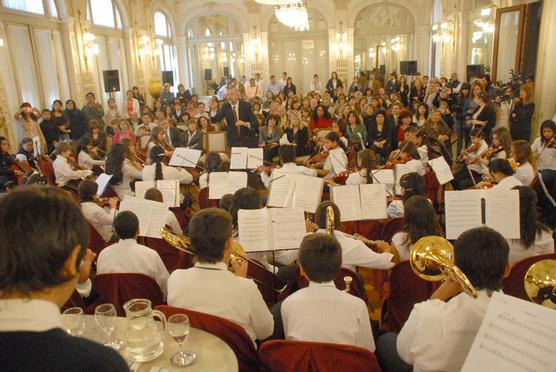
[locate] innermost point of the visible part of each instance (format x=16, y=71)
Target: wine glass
x=177, y=326
x=106, y=318
x=72, y=319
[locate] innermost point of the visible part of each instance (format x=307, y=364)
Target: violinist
x=158, y=138
x=213, y=163
x=122, y=169
x=26, y=153
x=91, y=206
x=286, y=154
x=415, y=135
x=408, y=155
x=501, y=176
x=366, y=162
x=410, y=184
x=99, y=137
x=6, y=162
x=336, y=161
x=87, y=155
x=157, y=170
x=544, y=149
x=471, y=158
x=522, y=154
x=63, y=169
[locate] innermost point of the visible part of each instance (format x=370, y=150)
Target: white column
x=182, y=57
x=422, y=48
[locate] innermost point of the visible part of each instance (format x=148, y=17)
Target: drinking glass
x=177, y=326
x=107, y=318
x=72, y=319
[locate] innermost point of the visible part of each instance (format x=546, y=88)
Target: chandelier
x=270, y=2
x=293, y=13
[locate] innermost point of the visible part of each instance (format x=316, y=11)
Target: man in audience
x=439, y=332
x=40, y=269
x=174, y=136
x=284, y=79
x=209, y=287
x=274, y=87
x=166, y=97
x=321, y=312
x=127, y=256
x=92, y=109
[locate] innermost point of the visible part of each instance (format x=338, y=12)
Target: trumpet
x=540, y=283
x=432, y=259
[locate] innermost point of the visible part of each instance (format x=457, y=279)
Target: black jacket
x=247, y=136
x=78, y=123
x=520, y=126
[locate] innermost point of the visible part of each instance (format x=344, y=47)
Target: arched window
x=161, y=25
x=104, y=13
x=43, y=7
x=166, y=50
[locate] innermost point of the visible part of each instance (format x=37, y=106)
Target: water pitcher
x=143, y=333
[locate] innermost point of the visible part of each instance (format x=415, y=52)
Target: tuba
x=432, y=259
x=180, y=242
x=330, y=223
x=540, y=283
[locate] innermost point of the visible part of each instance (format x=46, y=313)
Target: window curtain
x=33, y=6
x=47, y=65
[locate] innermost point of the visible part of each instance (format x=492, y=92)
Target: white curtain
x=61, y=65
x=33, y=6
x=507, y=45
x=47, y=65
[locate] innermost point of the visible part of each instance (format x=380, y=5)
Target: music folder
x=246, y=158
x=185, y=157
x=221, y=183
x=170, y=190
x=151, y=214
x=360, y=202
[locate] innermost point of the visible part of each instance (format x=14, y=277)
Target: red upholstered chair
x=356, y=288
x=513, y=284
x=109, y=192
x=182, y=215
x=403, y=290
x=47, y=170
x=431, y=187
x=370, y=229
x=74, y=301
x=294, y=356
x=169, y=255
x=204, y=201
x=96, y=242
x=350, y=227
x=117, y=289
x=231, y=333
x=391, y=226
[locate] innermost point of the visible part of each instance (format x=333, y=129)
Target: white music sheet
x=515, y=336
x=463, y=211
x=253, y=229
x=218, y=184
x=151, y=215
x=238, y=159
x=400, y=170
x=236, y=181
x=441, y=170
x=348, y=201
x=185, y=157
x=170, y=190
x=308, y=193
x=254, y=158
x=386, y=177
x=281, y=191
x=102, y=181
x=141, y=188
x=374, y=205
x=502, y=212
x=288, y=227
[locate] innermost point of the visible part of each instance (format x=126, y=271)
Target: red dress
x=321, y=122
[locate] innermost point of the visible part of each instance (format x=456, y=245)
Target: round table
x=213, y=354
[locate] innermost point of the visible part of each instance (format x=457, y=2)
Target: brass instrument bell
x=177, y=241
x=330, y=220
x=540, y=283
x=347, y=280
x=432, y=259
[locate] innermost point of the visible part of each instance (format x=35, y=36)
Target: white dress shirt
x=19, y=315
x=336, y=162
x=212, y=289
x=127, y=256
x=438, y=335
x=173, y=223
x=323, y=313
x=525, y=173
x=357, y=178
x=86, y=161
x=100, y=219
x=64, y=173
x=507, y=183
x=136, y=108
x=168, y=173
x=398, y=241
x=544, y=244
x=416, y=166
x=396, y=209
x=477, y=167
x=547, y=158
x=288, y=168
x=129, y=173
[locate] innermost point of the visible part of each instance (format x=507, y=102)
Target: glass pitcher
x=143, y=333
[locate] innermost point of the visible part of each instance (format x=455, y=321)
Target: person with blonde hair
x=522, y=114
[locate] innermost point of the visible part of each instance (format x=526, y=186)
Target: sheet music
x=218, y=184
x=141, y=188
x=502, y=212
x=463, y=211
x=236, y=181
x=441, y=170
x=400, y=170
x=348, y=201
x=185, y=157
x=151, y=215
x=102, y=181
x=170, y=190
x=288, y=227
x=515, y=336
x=386, y=177
x=282, y=187
x=254, y=158
x=253, y=229
x=308, y=193
x=373, y=201
x=37, y=150
x=238, y=158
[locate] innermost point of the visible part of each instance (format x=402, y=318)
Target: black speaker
x=111, y=81
x=227, y=71
x=168, y=77
x=411, y=68
x=476, y=70
x=382, y=70
x=208, y=74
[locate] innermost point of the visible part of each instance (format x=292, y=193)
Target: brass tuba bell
x=540, y=283
x=180, y=242
x=330, y=223
x=432, y=258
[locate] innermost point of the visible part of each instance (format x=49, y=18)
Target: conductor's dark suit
x=244, y=137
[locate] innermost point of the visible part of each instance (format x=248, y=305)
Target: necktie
x=234, y=107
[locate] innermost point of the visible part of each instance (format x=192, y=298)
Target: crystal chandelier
x=293, y=13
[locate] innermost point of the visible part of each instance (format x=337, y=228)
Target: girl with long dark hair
x=122, y=170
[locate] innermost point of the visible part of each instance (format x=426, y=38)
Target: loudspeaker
x=476, y=70
x=382, y=70
x=111, y=81
x=168, y=77
x=208, y=74
x=227, y=71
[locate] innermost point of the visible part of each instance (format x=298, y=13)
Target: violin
x=473, y=148
x=341, y=178
x=318, y=158
x=397, y=160
x=490, y=152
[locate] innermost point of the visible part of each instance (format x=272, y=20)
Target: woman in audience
x=410, y=184
x=421, y=114
x=419, y=220
x=77, y=121
x=333, y=83
x=354, y=127
x=536, y=238
x=131, y=105
x=100, y=140
x=28, y=118
x=157, y=170
x=205, y=125
x=523, y=155
x=321, y=119
x=417, y=91
x=122, y=170
x=435, y=128
x=50, y=130
x=269, y=137
x=403, y=90
x=460, y=117
x=112, y=112
x=380, y=136
x=87, y=156
x=522, y=114
x=182, y=94
x=298, y=134
x=124, y=131
x=61, y=120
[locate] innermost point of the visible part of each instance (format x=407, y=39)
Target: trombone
x=540, y=283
